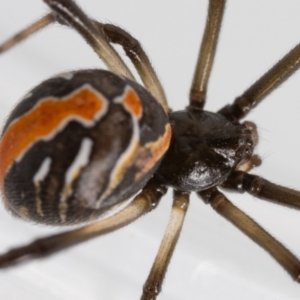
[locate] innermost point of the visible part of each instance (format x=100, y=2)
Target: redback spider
x=211, y=268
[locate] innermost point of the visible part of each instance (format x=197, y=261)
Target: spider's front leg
x=23, y=34
x=207, y=53
x=262, y=189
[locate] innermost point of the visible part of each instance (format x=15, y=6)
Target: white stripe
x=40, y=176
x=43, y=171
x=132, y=145
x=80, y=161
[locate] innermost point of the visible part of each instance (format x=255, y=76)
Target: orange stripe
x=133, y=105
x=154, y=151
x=132, y=102
x=43, y=120
x=143, y=157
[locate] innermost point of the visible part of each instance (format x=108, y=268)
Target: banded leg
x=280, y=72
x=155, y=279
x=263, y=189
x=113, y=34
x=23, y=34
x=67, y=12
x=207, y=53
x=142, y=204
x=254, y=231
x=138, y=57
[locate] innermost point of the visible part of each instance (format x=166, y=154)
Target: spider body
x=207, y=151
x=78, y=144
x=82, y=142
x=206, y=148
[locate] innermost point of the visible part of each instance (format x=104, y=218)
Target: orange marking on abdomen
x=152, y=152
x=44, y=119
x=132, y=103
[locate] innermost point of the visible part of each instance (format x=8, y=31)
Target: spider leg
x=143, y=203
x=263, y=189
x=207, y=53
x=68, y=13
x=153, y=285
x=254, y=231
x=23, y=34
x=280, y=72
x=138, y=57
x=113, y=34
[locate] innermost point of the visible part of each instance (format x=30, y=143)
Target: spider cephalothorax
x=206, y=147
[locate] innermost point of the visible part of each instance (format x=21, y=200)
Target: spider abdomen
x=78, y=144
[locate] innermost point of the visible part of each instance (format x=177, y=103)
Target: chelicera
x=206, y=150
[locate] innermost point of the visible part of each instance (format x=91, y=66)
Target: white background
x=213, y=260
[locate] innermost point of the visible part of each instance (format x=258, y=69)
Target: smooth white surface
x=213, y=260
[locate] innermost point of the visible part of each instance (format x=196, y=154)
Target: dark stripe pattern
x=110, y=137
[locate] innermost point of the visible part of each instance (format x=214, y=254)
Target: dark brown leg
x=263, y=189
x=207, y=53
x=142, y=203
x=155, y=279
x=20, y=36
x=67, y=12
x=138, y=57
x=263, y=86
x=254, y=231
x=113, y=34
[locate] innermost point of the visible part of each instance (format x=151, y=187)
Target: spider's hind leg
x=68, y=13
x=254, y=231
x=99, y=36
x=139, y=58
x=25, y=33
x=143, y=203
